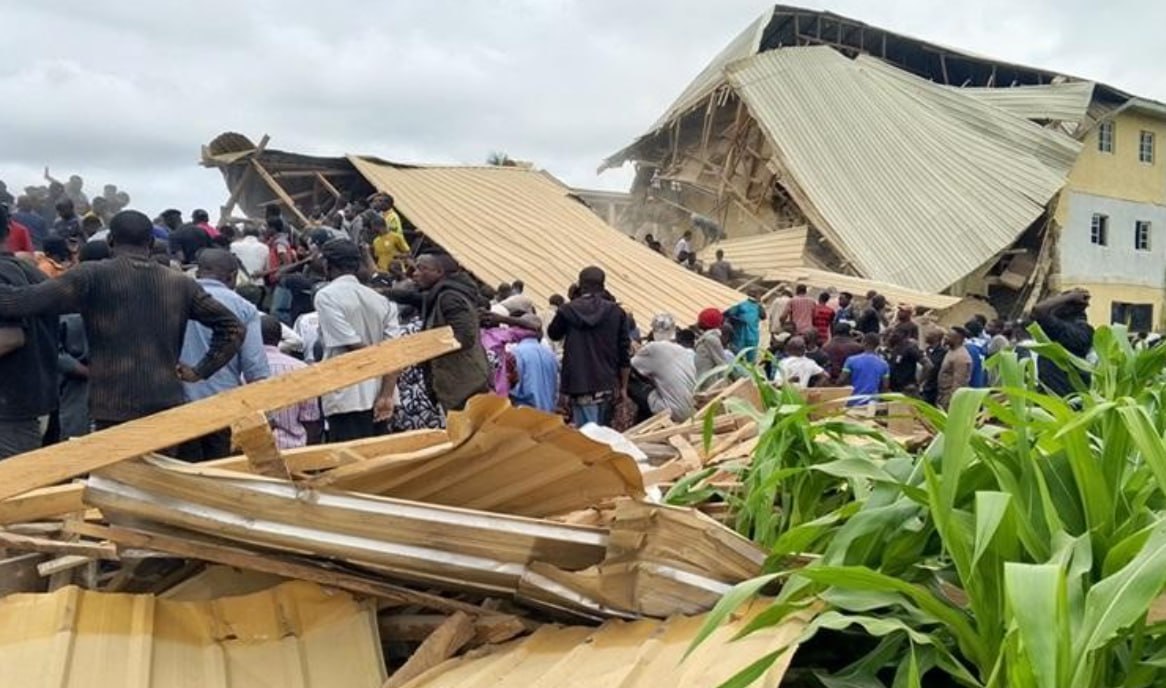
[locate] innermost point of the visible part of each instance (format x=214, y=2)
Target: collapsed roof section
x=890, y=167
x=500, y=222
x=886, y=146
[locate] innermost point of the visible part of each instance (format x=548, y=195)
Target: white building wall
x=1119, y=262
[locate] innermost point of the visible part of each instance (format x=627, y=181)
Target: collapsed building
x=878, y=156
x=501, y=222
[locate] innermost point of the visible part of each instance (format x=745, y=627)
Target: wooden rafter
x=280, y=192
x=229, y=206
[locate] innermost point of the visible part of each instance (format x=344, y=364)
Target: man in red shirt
x=823, y=317
x=800, y=311
x=19, y=239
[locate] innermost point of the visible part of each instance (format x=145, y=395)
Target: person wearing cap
x=596, y=350
x=709, y=352
x=670, y=368
x=956, y=369
x=534, y=377
x=351, y=317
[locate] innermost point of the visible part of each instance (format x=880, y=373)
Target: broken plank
x=722, y=423
x=61, y=564
x=54, y=501
x=252, y=434
x=171, y=427
x=27, y=543
x=414, y=628
x=47, y=502
x=193, y=547
x=442, y=644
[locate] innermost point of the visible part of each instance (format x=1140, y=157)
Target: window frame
x=1099, y=230
x=1142, y=243
x=1106, y=131
x=1146, y=152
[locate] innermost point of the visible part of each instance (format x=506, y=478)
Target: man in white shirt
x=670, y=367
x=796, y=368
x=253, y=255
x=352, y=317
x=683, y=247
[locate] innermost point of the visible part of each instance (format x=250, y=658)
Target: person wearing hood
x=450, y=297
x=596, y=350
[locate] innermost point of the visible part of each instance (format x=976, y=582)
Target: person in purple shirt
x=868, y=373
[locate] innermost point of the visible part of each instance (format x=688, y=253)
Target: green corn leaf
x=1036, y=598
x=1119, y=601
x=908, y=674
x=754, y=671
x=1147, y=440
x=991, y=507
x=736, y=596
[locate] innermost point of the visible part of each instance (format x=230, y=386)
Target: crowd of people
x=109, y=318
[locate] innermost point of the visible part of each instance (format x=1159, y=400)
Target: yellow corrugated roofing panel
x=506, y=223
x=915, y=185
x=621, y=654
x=1065, y=102
x=297, y=634
x=760, y=253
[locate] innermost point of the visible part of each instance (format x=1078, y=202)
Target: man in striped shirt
x=300, y=424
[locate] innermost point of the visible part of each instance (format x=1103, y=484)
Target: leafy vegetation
x=1021, y=548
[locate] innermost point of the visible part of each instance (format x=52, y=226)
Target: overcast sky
x=126, y=92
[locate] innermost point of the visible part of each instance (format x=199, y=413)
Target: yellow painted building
x=1112, y=216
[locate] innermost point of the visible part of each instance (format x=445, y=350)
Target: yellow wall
x=1102, y=297
x=1119, y=174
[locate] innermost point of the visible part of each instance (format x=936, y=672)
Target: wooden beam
x=194, y=547
x=61, y=564
x=59, y=462
x=442, y=644
x=229, y=206
x=252, y=434
x=40, y=504
x=26, y=543
x=943, y=67
x=279, y=191
x=328, y=186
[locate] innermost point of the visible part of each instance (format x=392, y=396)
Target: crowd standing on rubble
x=107, y=316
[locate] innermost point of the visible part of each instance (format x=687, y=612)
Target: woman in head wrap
x=709, y=351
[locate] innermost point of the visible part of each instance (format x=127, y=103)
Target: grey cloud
x=127, y=91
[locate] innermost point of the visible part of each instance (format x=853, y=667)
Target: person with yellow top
x=383, y=203
x=387, y=244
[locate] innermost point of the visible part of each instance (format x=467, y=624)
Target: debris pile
x=507, y=524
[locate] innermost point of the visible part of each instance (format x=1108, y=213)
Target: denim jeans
x=598, y=413
x=19, y=436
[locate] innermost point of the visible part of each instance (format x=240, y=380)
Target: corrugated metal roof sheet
x=758, y=254
x=619, y=654
x=506, y=223
x=1065, y=102
x=824, y=279
x=297, y=634
x=905, y=189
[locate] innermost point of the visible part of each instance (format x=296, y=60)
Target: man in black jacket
x=450, y=297
x=596, y=350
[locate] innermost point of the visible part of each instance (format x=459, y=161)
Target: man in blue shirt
x=217, y=270
x=868, y=373
x=977, y=346
x=746, y=318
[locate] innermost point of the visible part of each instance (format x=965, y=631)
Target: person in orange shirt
x=56, y=258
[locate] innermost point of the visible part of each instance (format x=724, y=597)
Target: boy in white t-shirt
x=796, y=368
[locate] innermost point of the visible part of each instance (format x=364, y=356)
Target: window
x=1105, y=137
x=1138, y=317
x=1099, y=230
x=1146, y=147
x=1142, y=235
